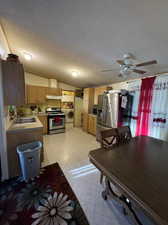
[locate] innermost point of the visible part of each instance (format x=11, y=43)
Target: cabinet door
x=31, y=94
x=13, y=82
x=92, y=124
x=41, y=94
x=88, y=100
x=89, y=124
x=36, y=94
x=18, y=138
x=54, y=91
x=99, y=91
x=43, y=120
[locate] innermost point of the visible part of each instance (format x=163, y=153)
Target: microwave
x=95, y=109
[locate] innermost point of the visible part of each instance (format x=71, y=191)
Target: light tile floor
x=71, y=150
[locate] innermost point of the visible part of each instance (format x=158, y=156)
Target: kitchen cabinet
x=19, y=137
x=36, y=94
x=88, y=101
x=13, y=82
x=54, y=91
x=92, y=120
x=99, y=91
x=43, y=120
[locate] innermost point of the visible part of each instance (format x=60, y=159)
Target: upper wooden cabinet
x=88, y=100
x=36, y=94
x=54, y=91
x=13, y=83
x=99, y=91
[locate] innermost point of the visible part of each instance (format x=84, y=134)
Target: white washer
x=69, y=115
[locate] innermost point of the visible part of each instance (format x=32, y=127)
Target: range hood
x=52, y=83
x=53, y=97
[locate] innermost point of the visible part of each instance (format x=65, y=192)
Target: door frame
x=3, y=141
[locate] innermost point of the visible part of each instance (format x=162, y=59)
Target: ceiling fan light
x=127, y=56
x=27, y=56
x=128, y=61
x=75, y=73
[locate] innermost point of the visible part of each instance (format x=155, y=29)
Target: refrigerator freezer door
x=104, y=110
x=113, y=108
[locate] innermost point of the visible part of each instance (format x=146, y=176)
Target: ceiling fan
x=127, y=66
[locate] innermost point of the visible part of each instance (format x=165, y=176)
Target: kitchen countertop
x=42, y=114
x=25, y=126
x=91, y=114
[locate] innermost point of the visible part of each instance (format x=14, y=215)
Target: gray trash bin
x=29, y=155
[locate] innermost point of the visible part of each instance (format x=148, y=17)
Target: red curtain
x=144, y=107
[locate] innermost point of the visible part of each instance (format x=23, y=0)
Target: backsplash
x=26, y=110
x=7, y=116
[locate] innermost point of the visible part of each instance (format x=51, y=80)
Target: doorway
x=3, y=146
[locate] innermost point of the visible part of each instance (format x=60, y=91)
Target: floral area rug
x=47, y=200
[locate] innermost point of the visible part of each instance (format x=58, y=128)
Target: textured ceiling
x=66, y=35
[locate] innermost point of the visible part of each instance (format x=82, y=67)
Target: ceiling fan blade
x=147, y=63
x=103, y=71
x=139, y=71
x=121, y=62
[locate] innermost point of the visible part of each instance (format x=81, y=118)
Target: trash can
x=29, y=155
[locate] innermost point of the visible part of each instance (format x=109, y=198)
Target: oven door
x=56, y=122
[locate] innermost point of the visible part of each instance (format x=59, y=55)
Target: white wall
x=120, y=85
x=66, y=86
x=32, y=79
x=4, y=49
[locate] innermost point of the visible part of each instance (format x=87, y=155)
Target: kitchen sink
x=26, y=120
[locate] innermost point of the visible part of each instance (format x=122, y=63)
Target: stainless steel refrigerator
x=114, y=110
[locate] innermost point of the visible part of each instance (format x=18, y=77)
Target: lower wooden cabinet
x=92, y=120
x=43, y=120
x=19, y=137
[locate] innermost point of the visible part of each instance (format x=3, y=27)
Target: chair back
x=109, y=138
x=124, y=135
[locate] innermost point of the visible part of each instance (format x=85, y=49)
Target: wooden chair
x=108, y=140
x=124, y=135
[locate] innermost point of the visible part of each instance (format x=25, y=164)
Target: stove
x=56, y=120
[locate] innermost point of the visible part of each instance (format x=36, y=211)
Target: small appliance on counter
x=95, y=109
x=56, y=120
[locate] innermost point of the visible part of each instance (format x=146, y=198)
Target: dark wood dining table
x=140, y=169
